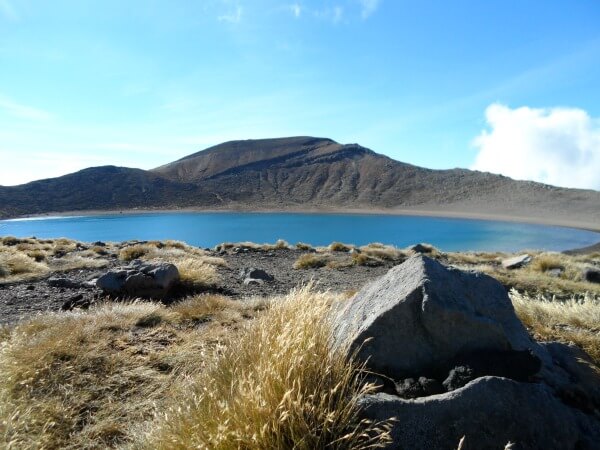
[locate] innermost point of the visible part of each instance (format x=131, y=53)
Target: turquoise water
x=208, y=229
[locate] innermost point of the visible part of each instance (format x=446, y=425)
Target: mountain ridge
x=299, y=173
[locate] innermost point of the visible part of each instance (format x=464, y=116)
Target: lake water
x=208, y=229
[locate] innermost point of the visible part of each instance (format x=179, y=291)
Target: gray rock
x=458, y=377
x=421, y=317
x=140, y=279
x=250, y=281
x=420, y=248
x=516, y=261
x=61, y=282
x=490, y=412
x=255, y=274
x=555, y=272
x=591, y=275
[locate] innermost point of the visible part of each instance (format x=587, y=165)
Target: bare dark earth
x=23, y=299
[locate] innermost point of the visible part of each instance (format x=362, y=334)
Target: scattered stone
x=62, y=282
x=249, y=281
x=255, y=274
x=591, y=275
x=423, y=387
x=421, y=318
x=458, y=377
x=516, y=262
x=140, y=279
x=30, y=287
x=77, y=301
x=99, y=244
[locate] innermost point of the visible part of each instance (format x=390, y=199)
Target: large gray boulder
x=421, y=318
x=490, y=412
x=140, y=279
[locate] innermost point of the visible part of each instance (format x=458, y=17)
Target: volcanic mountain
x=301, y=173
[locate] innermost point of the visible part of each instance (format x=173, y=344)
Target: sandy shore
x=549, y=220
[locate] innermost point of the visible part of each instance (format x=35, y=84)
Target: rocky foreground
x=423, y=345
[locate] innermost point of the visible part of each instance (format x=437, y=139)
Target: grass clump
x=89, y=379
x=304, y=247
x=311, y=261
x=136, y=251
x=575, y=320
x=196, y=273
x=278, y=385
x=548, y=261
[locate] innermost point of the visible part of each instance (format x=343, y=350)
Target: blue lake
x=208, y=229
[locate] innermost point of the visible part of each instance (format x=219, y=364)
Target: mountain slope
x=302, y=173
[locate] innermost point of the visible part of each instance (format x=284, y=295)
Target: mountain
x=302, y=173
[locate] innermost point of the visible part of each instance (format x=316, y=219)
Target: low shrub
x=547, y=261
x=311, y=261
x=136, y=251
x=304, y=247
x=339, y=247
x=196, y=273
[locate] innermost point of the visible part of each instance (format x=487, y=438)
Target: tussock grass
x=196, y=273
x=15, y=265
x=278, y=385
x=303, y=246
x=311, y=261
x=548, y=261
x=383, y=252
x=339, y=247
x=575, y=320
x=87, y=379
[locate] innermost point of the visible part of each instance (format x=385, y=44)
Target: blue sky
x=141, y=83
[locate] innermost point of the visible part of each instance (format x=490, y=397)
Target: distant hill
x=301, y=173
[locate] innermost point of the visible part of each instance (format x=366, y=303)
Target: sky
x=506, y=86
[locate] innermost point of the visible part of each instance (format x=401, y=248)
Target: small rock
x=61, y=282
x=431, y=386
x=140, y=279
x=249, y=281
x=458, y=377
x=77, y=301
x=409, y=388
x=591, y=275
x=256, y=274
x=555, y=272
x=30, y=287
x=420, y=248
x=99, y=244
x=516, y=261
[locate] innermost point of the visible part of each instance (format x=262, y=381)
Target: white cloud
x=20, y=111
x=8, y=11
x=296, y=9
x=559, y=146
x=368, y=7
x=235, y=16
x=333, y=15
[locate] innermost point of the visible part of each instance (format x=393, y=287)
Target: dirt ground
x=20, y=300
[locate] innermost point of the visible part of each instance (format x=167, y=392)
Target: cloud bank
x=559, y=146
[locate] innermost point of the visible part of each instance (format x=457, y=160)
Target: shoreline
x=339, y=211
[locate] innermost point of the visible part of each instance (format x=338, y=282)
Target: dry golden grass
x=277, y=385
x=86, y=379
x=196, y=273
x=575, y=320
x=311, y=261
x=383, y=252
x=16, y=266
x=339, y=247
x=303, y=246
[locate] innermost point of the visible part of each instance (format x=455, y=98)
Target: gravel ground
x=24, y=299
